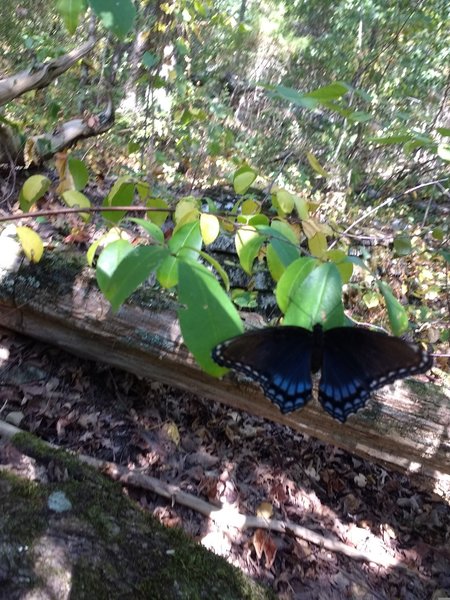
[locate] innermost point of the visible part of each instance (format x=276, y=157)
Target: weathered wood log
x=57, y=301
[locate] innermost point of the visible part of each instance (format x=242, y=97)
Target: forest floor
x=232, y=459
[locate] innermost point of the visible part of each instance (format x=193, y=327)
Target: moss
x=120, y=551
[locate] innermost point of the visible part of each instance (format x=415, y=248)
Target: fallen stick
x=224, y=517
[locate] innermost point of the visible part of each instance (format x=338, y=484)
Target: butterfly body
x=353, y=362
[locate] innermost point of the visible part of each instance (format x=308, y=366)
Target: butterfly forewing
x=358, y=361
x=278, y=358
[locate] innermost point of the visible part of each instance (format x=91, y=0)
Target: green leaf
x=153, y=230
x=243, y=179
x=121, y=268
x=33, y=189
x=116, y=16
x=315, y=164
x=444, y=131
x=79, y=172
x=248, y=243
x=390, y=139
x=76, y=199
x=445, y=255
x=282, y=250
x=167, y=273
x=207, y=316
x=149, y=60
x=292, y=279
x=294, y=97
x=317, y=300
x=186, y=242
x=333, y=91
x=284, y=202
x=70, y=11
x=402, y=245
x=156, y=216
x=397, y=314
x=121, y=194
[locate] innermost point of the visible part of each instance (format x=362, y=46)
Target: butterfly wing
x=358, y=361
x=278, y=358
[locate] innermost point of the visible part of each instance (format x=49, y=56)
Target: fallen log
x=57, y=301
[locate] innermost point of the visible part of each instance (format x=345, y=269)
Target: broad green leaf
x=244, y=298
x=315, y=164
x=75, y=199
x=390, y=139
x=153, y=230
x=167, y=273
x=444, y=131
x=186, y=208
x=133, y=147
x=250, y=207
x=397, y=314
x=79, y=172
x=209, y=228
x=121, y=194
x=445, y=255
x=301, y=206
x=438, y=234
x=402, y=245
x=243, y=179
x=333, y=91
x=294, y=97
x=33, y=189
x=283, y=248
x=149, y=60
x=317, y=300
x=207, y=316
x=344, y=266
x=318, y=245
x=248, y=243
x=187, y=241
x=116, y=16
x=112, y=235
x=157, y=217
x=284, y=202
x=292, y=279
x=122, y=268
x=70, y=11
x=31, y=243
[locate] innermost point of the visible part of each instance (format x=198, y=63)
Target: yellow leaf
x=186, y=211
x=315, y=164
x=250, y=207
x=172, y=432
x=209, y=228
x=31, y=243
x=318, y=245
x=264, y=510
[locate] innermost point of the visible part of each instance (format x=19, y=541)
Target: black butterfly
x=353, y=362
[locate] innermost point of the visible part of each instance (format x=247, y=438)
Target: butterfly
x=353, y=362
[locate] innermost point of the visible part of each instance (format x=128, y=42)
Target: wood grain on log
x=57, y=301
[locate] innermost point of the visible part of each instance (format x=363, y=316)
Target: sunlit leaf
x=243, y=179
x=209, y=227
x=31, y=243
x=205, y=308
x=33, y=189
x=397, y=314
x=315, y=164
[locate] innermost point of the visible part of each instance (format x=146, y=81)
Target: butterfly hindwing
x=278, y=358
x=357, y=361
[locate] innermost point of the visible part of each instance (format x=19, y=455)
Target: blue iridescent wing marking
x=278, y=358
